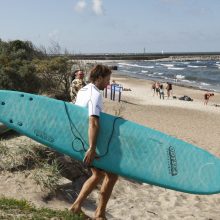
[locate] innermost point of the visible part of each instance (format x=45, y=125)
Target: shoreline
x=120, y=73
x=114, y=63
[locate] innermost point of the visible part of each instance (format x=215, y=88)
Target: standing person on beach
x=161, y=91
x=157, y=86
x=76, y=84
x=169, y=89
x=90, y=97
x=153, y=87
x=207, y=95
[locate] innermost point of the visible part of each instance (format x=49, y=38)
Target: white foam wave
x=176, y=68
x=193, y=66
x=167, y=65
x=188, y=81
x=135, y=65
x=204, y=84
x=180, y=77
x=144, y=71
x=149, y=67
x=157, y=73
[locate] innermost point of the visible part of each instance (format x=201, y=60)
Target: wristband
x=91, y=149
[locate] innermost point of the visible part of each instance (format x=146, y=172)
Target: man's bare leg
x=87, y=188
x=105, y=193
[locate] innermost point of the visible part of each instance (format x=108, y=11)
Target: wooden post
x=119, y=95
x=113, y=92
x=106, y=92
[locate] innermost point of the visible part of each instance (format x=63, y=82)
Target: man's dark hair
x=99, y=71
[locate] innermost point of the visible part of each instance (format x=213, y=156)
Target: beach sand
x=190, y=121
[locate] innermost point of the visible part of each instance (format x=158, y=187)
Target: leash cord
x=80, y=139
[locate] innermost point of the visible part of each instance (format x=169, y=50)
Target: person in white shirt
x=91, y=98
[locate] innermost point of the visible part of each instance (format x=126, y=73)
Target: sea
x=197, y=74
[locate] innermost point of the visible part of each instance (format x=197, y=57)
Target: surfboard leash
x=109, y=141
x=72, y=125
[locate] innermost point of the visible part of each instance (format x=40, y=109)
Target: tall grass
x=11, y=209
x=33, y=158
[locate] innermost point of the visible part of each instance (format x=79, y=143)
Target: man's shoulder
x=77, y=82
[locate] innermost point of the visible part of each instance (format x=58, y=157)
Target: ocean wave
x=157, y=73
x=193, y=66
x=204, y=84
x=167, y=65
x=135, y=65
x=149, y=67
x=180, y=77
x=150, y=74
x=176, y=68
x=144, y=71
x=204, y=74
x=158, y=77
x=188, y=81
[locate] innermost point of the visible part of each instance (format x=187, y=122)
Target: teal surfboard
x=125, y=148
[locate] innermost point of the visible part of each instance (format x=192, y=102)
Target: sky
x=114, y=26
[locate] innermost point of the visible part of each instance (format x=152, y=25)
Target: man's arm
x=93, y=134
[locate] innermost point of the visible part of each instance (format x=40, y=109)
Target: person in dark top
x=169, y=89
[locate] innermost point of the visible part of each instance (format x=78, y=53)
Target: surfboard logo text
x=172, y=162
x=43, y=135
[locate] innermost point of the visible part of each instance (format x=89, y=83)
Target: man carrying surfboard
x=90, y=97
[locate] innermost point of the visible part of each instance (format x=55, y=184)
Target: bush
x=17, y=71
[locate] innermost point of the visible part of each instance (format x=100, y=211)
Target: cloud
x=97, y=7
x=80, y=6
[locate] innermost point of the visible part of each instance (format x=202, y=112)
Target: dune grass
x=23, y=210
